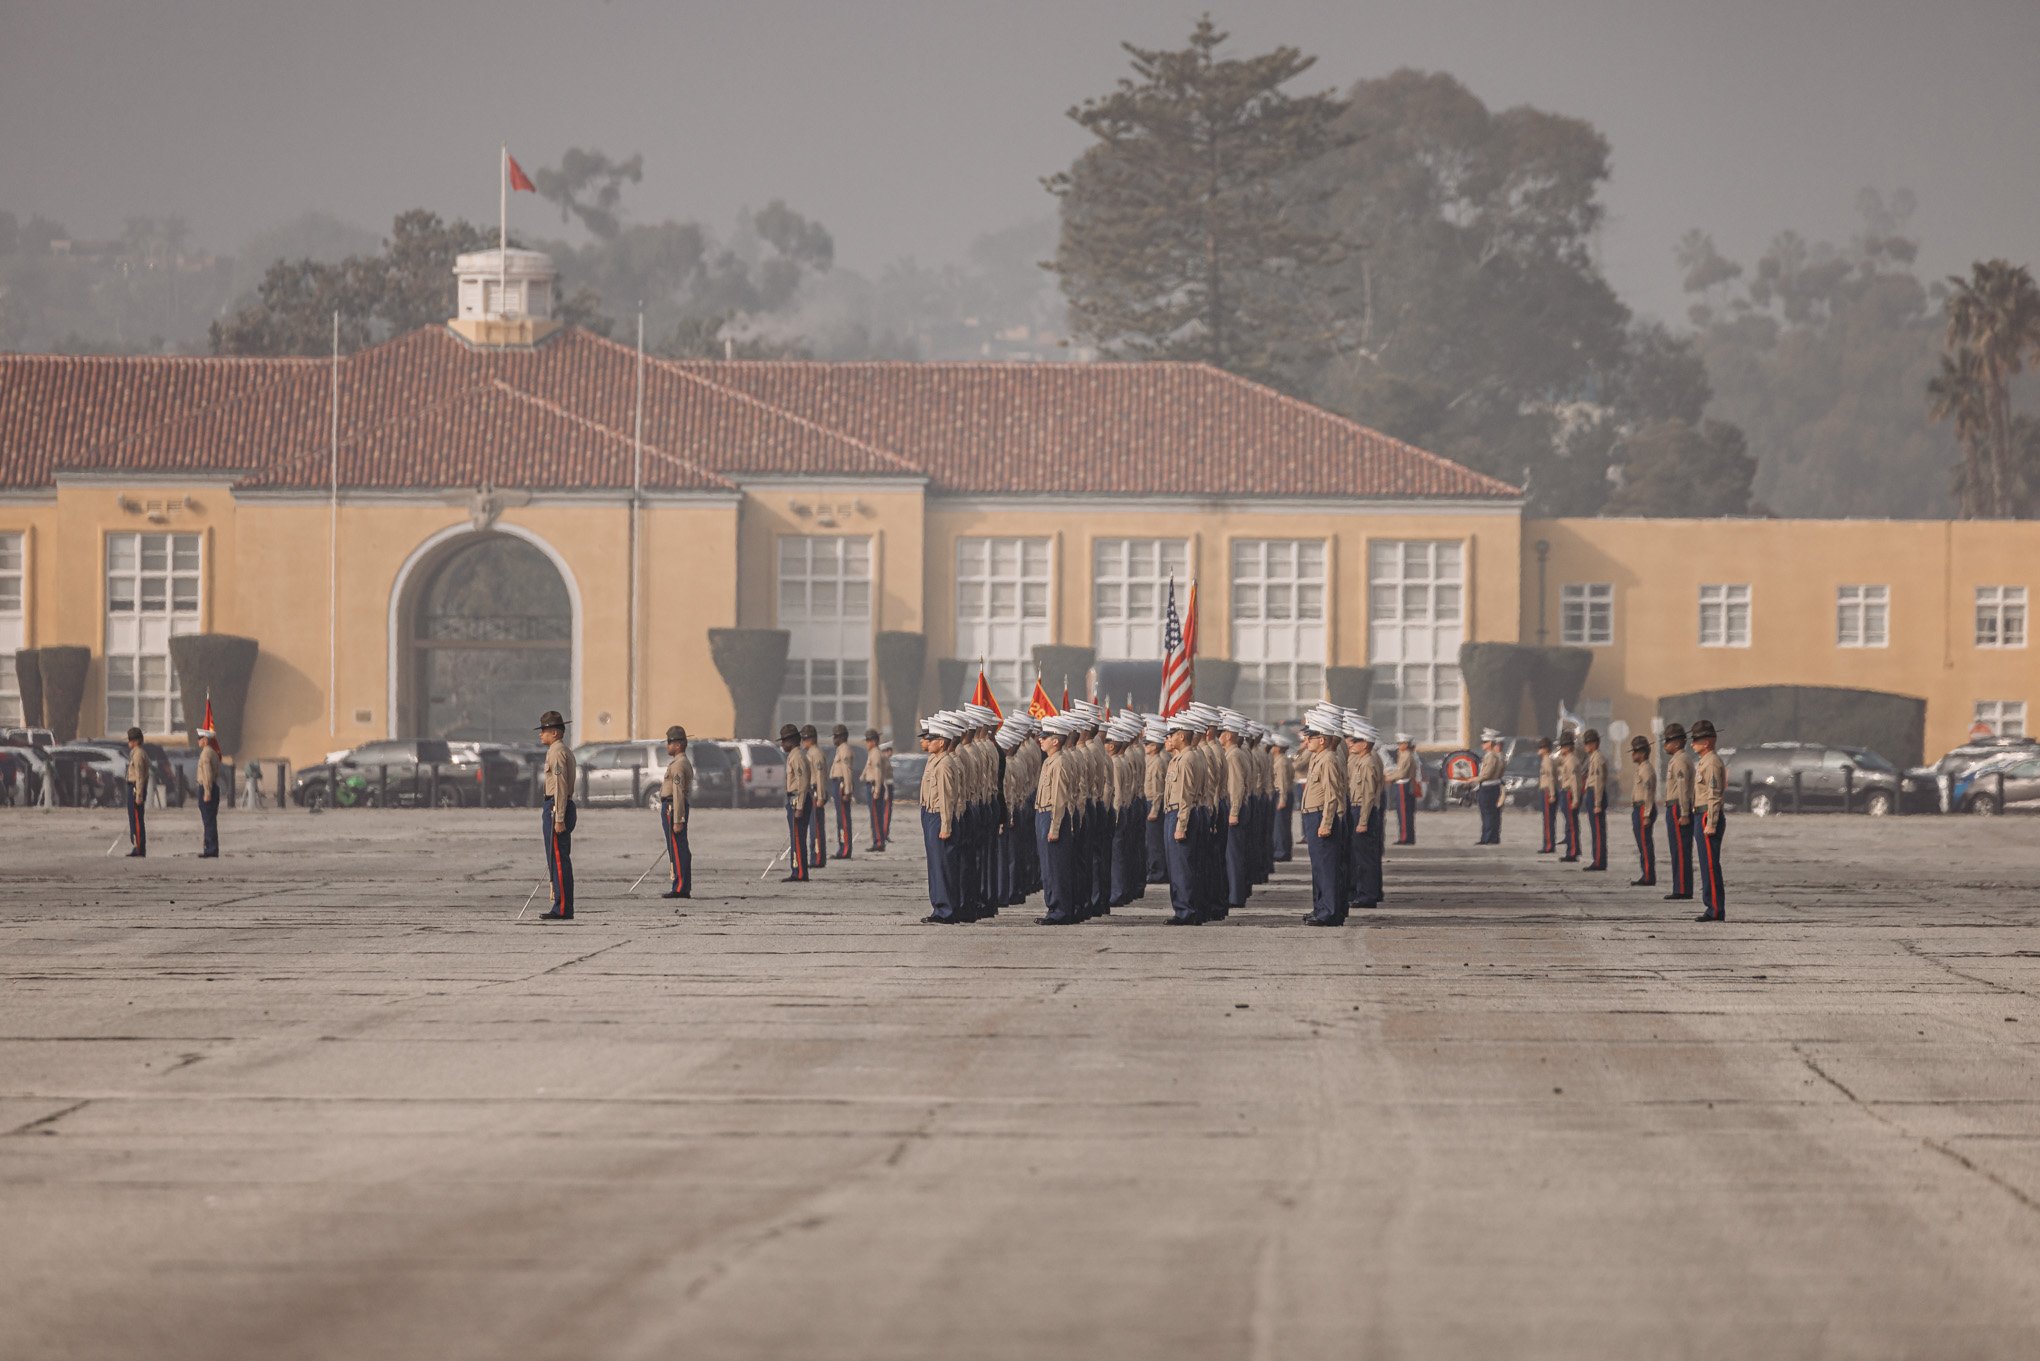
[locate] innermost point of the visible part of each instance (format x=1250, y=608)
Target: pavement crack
x=1912, y=948
x=49, y=1119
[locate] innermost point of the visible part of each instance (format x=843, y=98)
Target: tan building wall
x=1931, y=570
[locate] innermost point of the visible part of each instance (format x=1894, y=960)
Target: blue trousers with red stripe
x=1643, y=824
x=1713, y=892
x=138, y=823
x=677, y=849
x=1679, y=840
x=1597, y=828
x=559, y=856
x=843, y=802
x=1405, y=812
x=797, y=835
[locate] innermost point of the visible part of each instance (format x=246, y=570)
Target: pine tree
x=1181, y=235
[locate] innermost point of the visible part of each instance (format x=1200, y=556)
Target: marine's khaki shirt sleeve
x=138, y=771
x=1597, y=776
x=1679, y=783
x=1490, y=767
x=844, y=768
x=208, y=776
x=1235, y=780
x=1710, y=788
x=1366, y=792
x=674, y=788
x=559, y=781
x=1547, y=774
x=1643, y=786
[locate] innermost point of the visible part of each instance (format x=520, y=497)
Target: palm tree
x=1996, y=313
x=1957, y=395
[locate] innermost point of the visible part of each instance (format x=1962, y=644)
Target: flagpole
x=502, y=232
x=637, y=493
x=333, y=546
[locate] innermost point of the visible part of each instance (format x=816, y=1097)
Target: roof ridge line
x=585, y=422
x=796, y=418
x=1328, y=414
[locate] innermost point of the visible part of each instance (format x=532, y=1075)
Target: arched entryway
x=485, y=631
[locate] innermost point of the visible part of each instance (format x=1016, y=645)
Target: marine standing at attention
x=817, y=817
x=1547, y=795
x=1594, y=787
x=1569, y=795
x=1282, y=774
x=796, y=803
x=939, y=821
x=878, y=785
x=1710, y=817
x=673, y=808
x=842, y=780
x=1405, y=781
x=1643, y=810
x=137, y=785
x=1488, y=788
x=1678, y=796
x=208, y=781
x=1324, y=807
x=556, y=818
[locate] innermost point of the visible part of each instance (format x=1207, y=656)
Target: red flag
x=518, y=179
x=207, y=726
x=983, y=694
x=1066, y=692
x=1041, y=706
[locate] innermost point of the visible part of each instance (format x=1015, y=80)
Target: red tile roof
x=55, y=407
x=1165, y=429
x=427, y=410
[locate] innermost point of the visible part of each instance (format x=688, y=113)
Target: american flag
x=1179, y=648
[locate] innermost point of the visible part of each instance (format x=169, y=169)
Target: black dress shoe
x=555, y=916
x=672, y=893
x=1643, y=883
x=1595, y=869
x=1678, y=897
x=793, y=879
x=1708, y=917
x=1190, y=920
x=1568, y=860
x=932, y=920
x=1055, y=921
x=137, y=855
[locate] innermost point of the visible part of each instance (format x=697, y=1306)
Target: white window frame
x=1721, y=598
x=823, y=589
x=2007, y=717
x=1862, y=616
x=140, y=682
x=1130, y=594
x=1004, y=607
x=13, y=617
x=1416, y=621
x=1586, y=614
x=2001, y=617
x=1279, y=590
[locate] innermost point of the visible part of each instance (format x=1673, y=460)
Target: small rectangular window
x=1587, y=614
x=1725, y=616
x=2001, y=616
x=1862, y=616
x=2006, y=717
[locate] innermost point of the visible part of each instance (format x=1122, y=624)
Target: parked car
x=1932, y=786
x=623, y=773
x=23, y=771
x=411, y=773
x=1826, y=778
x=162, y=769
x=2001, y=784
x=84, y=775
x=525, y=759
x=762, y=767
x=42, y=739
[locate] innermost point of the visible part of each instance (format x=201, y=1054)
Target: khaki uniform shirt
x=938, y=788
x=811, y=758
x=1679, y=782
x=1643, y=784
x=1282, y=772
x=1491, y=768
x=1235, y=780
x=1569, y=776
x=560, y=781
x=796, y=779
x=1179, y=793
x=1324, y=784
x=208, y=771
x=138, y=772
x=1547, y=773
x=1126, y=778
x=675, y=786
x=1154, y=780
x=1595, y=777
x=843, y=770
x=1052, y=793
x=1710, y=788
x=878, y=769
x=1365, y=774
x=1405, y=767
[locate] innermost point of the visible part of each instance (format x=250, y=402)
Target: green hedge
x=28, y=673
x=63, y=671
x=1496, y=676
x=955, y=678
x=1214, y=681
x=1559, y=677
x=902, y=662
x=1894, y=726
x=753, y=665
x=221, y=665
x=1059, y=662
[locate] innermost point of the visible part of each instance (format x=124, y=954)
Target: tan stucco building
x=448, y=532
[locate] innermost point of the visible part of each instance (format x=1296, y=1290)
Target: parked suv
x=623, y=773
x=162, y=767
x=761, y=769
x=1827, y=777
x=1931, y=788
x=1979, y=790
x=414, y=773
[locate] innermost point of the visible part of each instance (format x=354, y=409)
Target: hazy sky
x=909, y=126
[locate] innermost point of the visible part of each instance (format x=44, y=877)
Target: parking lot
x=328, y=1097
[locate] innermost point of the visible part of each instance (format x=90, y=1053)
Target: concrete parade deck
x=323, y=1099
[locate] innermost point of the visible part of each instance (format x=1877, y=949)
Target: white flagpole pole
x=333, y=545
x=637, y=493
x=502, y=232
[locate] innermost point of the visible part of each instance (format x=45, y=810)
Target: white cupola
x=506, y=296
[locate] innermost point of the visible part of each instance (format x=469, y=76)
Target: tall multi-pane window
x=1416, y=620
x=12, y=569
x=1862, y=616
x=2001, y=616
x=2007, y=717
x=1724, y=616
x=1586, y=614
x=1130, y=592
x=1278, y=626
x=825, y=607
x=1002, y=590
x=153, y=585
